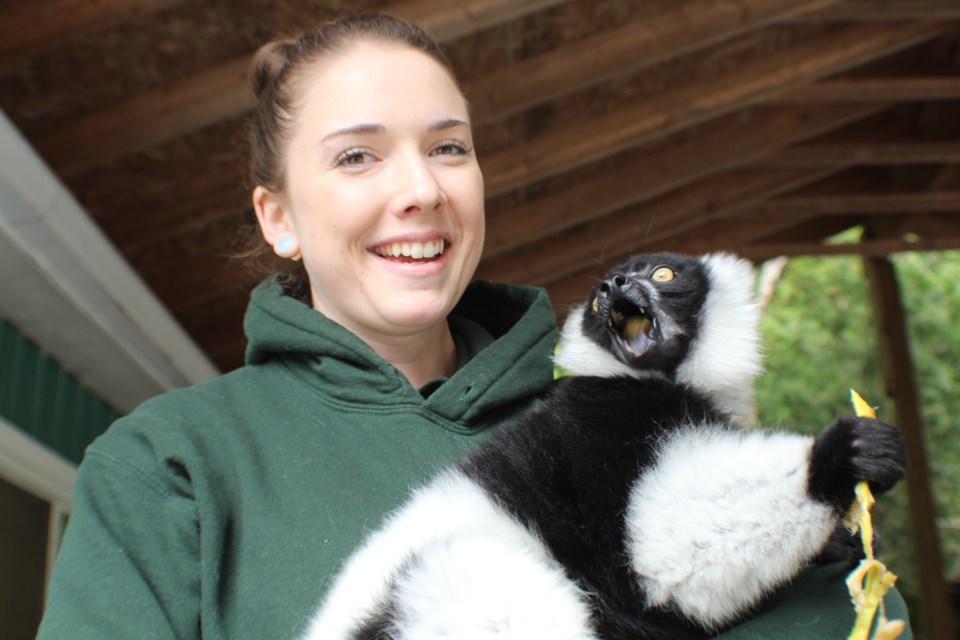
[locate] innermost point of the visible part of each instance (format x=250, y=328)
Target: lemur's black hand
x=852, y=449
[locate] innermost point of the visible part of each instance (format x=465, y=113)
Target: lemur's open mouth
x=632, y=325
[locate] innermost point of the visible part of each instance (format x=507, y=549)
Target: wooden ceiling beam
x=660, y=171
x=223, y=92
x=923, y=225
x=676, y=32
x=947, y=175
x=450, y=20
x=649, y=225
x=869, y=153
x=571, y=147
x=884, y=11
x=571, y=288
x=875, y=248
x=854, y=90
x=872, y=204
x=25, y=27
x=148, y=118
x=713, y=235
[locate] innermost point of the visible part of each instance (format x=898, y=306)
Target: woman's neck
x=421, y=357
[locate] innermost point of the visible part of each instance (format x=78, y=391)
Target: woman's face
x=383, y=193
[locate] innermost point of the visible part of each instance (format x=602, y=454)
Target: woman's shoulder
x=182, y=420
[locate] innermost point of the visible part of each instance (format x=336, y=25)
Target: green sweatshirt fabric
x=222, y=511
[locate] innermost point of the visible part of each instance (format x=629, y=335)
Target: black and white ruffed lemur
x=629, y=503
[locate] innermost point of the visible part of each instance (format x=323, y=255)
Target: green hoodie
x=224, y=510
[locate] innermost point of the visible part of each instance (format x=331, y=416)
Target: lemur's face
x=646, y=311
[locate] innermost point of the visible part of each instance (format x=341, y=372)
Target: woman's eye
x=354, y=157
x=450, y=148
x=664, y=274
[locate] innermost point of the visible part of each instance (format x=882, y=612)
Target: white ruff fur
x=725, y=358
x=583, y=357
x=478, y=574
x=722, y=518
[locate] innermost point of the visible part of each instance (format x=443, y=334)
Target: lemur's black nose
x=613, y=284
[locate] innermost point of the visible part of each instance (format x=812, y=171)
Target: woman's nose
x=417, y=187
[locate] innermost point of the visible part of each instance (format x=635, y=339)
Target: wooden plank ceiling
x=604, y=127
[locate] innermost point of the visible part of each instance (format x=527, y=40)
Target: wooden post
x=936, y=614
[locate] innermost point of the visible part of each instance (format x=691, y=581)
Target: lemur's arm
x=738, y=514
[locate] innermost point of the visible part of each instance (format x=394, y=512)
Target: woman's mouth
x=410, y=251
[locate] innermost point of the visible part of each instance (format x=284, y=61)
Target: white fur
x=725, y=357
x=723, y=360
x=484, y=586
x=722, y=518
x=477, y=569
x=581, y=356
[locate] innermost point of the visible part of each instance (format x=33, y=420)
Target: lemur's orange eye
x=663, y=274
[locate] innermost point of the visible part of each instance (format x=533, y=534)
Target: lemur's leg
x=486, y=586
x=451, y=564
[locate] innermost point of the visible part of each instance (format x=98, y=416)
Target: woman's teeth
x=415, y=250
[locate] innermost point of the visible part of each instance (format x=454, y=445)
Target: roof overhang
x=66, y=288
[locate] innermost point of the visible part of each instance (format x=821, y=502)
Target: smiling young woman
x=383, y=199
x=225, y=510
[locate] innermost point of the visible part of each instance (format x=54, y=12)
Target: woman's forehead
x=379, y=77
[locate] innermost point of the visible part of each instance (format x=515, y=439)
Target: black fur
x=566, y=469
x=853, y=449
x=629, y=286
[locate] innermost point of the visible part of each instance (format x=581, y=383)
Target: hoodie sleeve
x=128, y=567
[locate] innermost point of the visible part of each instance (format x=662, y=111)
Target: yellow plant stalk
x=871, y=580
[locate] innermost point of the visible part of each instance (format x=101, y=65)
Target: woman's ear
x=275, y=223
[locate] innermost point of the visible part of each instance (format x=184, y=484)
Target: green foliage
x=821, y=340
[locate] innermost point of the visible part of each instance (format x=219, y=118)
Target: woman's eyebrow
x=354, y=129
x=379, y=129
x=448, y=123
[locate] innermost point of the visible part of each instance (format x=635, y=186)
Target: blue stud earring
x=285, y=244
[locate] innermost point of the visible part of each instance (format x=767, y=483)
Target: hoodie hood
x=324, y=355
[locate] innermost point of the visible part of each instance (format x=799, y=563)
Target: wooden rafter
x=26, y=26
x=753, y=241
x=646, y=226
x=688, y=27
x=874, y=90
x=655, y=173
x=869, y=153
x=886, y=11
x=840, y=204
x=448, y=20
x=875, y=248
x=223, y=92
x=571, y=147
